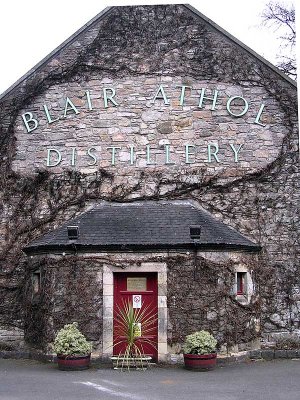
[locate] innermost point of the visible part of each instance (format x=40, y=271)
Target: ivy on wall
x=262, y=205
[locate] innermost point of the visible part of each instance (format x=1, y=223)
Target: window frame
x=36, y=279
x=241, y=283
x=246, y=288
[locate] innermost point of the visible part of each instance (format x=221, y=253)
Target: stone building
x=151, y=157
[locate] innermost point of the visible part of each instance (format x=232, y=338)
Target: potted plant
x=72, y=349
x=132, y=325
x=200, y=351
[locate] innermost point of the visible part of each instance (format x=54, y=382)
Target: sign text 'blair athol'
x=235, y=106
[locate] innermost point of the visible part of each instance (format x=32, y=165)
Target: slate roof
x=143, y=225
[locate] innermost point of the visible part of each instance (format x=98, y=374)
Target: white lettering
x=214, y=98
x=188, y=148
x=167, y=149
x=70, y=107
x=49, y=158
x=182, y=95
x=113, y=153
x=149, y=155
x=92, y=155
x=30, y=123
x=236, y=151
x=230, y=100
x=259, y=115
x=89, y=101
x=107, y=97
x=160, y=94
x=73, y=159
x=212, y=153
x=49, y=118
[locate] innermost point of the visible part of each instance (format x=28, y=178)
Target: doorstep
x=139, y=363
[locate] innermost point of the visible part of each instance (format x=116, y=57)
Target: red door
x=139, y=291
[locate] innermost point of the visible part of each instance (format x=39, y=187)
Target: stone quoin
x=152, y=159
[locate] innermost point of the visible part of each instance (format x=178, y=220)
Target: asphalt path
x=260, y=380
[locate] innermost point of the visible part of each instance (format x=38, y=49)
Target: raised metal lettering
x=167, y=149
x=259, y=115
x=246, y=106
x=236, y=151
x=213, y=99
x=29, y=121
x=113, y=153
x=149, y=155
x=110, y=97
x=58, y=154
x=188, y=153
x=160, y=94
x=70, y=107
x=211, y=153
x=89, y=101
x=92, y=155
x=49, y=118
x=183, y=87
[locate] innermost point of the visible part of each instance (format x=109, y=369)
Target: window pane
x=36, y=282
x=240, y=282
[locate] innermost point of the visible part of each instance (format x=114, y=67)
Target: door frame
x=149, y=295
x=108, y=304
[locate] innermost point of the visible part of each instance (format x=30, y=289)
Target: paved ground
x=261, y=380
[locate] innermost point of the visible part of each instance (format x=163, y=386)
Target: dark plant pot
x=201, y=362
x=73, y=363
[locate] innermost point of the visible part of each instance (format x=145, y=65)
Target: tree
x=281, y=17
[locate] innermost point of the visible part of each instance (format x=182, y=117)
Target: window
x=36, y=282
x=241, y=286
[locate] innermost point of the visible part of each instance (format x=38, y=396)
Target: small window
x=241, y=285
x=36, y=282
x=243, y=288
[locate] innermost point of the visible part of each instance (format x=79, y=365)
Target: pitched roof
x=142, y=225
x=105, y=13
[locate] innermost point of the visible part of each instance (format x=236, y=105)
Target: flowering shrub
x=201, y=342
x=70, y=341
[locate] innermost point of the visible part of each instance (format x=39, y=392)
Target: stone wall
x=11, y=338
x=194, y=292
x=134, y=50
x=141, y=131
x=71, y=290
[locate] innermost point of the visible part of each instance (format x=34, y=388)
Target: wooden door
x=140, y=291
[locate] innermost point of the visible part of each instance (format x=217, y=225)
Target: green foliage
x=70, y=341
x=201, y=342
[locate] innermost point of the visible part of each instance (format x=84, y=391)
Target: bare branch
x=282, y=19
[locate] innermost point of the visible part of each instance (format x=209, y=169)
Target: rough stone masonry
x=151, y=103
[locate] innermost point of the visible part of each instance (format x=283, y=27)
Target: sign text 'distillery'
x=235, y=106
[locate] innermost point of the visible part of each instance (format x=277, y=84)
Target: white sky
x=31, y=29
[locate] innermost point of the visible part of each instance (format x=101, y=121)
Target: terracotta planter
x=200, y=362
x=73, y=363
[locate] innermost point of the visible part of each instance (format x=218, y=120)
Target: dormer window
x=73, y=232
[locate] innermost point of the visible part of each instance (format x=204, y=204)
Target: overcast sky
x=31, y=29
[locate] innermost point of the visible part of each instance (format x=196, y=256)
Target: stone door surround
x=108, y=302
